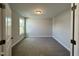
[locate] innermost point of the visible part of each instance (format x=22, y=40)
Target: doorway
x=58, y=27
x=27, y=35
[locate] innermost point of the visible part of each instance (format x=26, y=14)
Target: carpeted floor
x=42, y=46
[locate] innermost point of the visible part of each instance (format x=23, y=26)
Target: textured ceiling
x=49, y=9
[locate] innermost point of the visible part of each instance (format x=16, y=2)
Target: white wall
x=39, y=27
x=62, y=28
x=15, y=29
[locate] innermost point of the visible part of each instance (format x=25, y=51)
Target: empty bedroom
x=41, y=29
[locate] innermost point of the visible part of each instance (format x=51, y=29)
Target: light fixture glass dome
x=38, y=11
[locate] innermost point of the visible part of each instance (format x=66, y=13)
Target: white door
x=8, y=23
x=5, y=30
x=2, y=29
x=0, y=32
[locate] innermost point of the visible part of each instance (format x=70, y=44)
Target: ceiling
x=49, y=9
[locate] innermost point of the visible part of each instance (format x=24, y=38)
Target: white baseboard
x=17, y=42
x=39, y=36
x=61, y=43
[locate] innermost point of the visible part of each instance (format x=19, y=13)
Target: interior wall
x=39, y=27
x=61, y=25
x=15, y=29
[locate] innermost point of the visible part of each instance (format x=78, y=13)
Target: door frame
x=75, y=30
x=8, y=38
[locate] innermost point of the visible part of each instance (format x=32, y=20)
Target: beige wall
x=62, y=28
x=39, y=27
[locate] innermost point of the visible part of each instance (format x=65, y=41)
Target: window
x=21, y=26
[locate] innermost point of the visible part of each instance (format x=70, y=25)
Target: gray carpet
x=42, y=46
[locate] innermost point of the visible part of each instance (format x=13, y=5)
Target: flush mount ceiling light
x=38, y=11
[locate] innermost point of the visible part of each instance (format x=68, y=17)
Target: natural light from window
x=21, y=26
